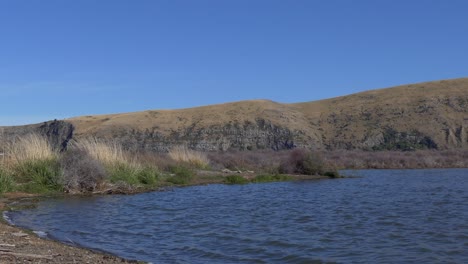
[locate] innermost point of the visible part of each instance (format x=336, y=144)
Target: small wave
x=40, y=234
x=7, y=218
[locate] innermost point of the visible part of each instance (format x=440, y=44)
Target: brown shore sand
x=20, y=246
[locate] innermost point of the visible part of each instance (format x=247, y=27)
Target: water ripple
x=387, y=216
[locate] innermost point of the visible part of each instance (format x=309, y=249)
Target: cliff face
x=59, y=133
x=247, y=136
x=420, y=116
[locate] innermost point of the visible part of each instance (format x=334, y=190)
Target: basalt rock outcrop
x=59, y=133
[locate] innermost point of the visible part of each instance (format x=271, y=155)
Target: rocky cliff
x=431, y=115
x=59, y=133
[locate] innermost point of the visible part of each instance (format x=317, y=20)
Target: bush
x=302, y=161
x=183, y=175
x=81, y=173
x=235, y=179
x=39, y=176
x=332, y=174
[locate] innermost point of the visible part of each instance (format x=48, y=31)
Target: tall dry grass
x=192, y=157
x=31, y=147
x=107, y=152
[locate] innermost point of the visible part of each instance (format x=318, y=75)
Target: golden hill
x=416, y=116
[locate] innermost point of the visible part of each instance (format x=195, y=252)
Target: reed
x=31, y=147
x=106, y=152
x=195, y=158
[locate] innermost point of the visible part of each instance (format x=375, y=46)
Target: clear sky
x=67, y=58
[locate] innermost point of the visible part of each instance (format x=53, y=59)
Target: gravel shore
x=20, y=246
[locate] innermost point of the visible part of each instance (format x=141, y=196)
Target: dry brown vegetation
x=31, y=147
x=184, y=154
x=107, y=152
x=422, y=159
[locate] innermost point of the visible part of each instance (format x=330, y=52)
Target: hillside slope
x=417, y=116
x=424, y=115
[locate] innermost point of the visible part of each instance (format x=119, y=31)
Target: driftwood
x=7, y=245
x=28, y=256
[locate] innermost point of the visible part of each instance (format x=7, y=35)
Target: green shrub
x=6, y=181
x=332, y=174
x=235, y=179
x=39, y=176
x=271, y=178
x=182, y=175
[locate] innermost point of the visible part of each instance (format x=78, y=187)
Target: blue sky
x=67, y=58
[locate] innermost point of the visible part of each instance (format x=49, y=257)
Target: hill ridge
x=430, y=115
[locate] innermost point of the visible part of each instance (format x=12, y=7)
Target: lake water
x=385, y=216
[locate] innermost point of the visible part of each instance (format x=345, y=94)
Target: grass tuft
x=182, y=175
x=133, y=174
x=39, y=176
x=6, y=181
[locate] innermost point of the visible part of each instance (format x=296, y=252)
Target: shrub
x=194, y=158
x=182, y=175
x=81, y=173
x=235, y=179
x=39, y=176
x=332, y=174
x=302, y=161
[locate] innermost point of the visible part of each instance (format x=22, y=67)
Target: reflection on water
x=384, y=216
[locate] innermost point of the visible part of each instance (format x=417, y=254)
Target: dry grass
x=336, y=123
x=31, y=147
x=192, y=157
x=104, y=151
x=159, y=160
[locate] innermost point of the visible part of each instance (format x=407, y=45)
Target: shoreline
x=19, y=244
